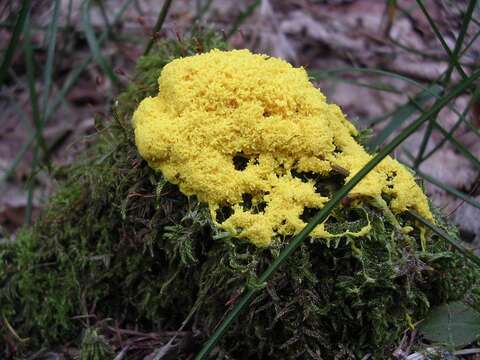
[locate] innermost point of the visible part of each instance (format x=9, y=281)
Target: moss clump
x=120, y=249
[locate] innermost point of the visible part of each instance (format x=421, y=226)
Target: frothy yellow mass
x=232, y=127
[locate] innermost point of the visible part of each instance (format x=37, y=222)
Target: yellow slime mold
x=233, y=127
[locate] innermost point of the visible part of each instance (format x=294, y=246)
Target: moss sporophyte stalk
x=249, y=135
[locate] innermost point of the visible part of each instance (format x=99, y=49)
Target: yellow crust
x=216, y=106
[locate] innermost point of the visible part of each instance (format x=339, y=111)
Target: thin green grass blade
x=459, y=146
x=75, y=74
x=158, y=25
x=462, y=118
x=415, y=51
x=470, y=43
x=69, y=13
x=36, y=118
x=10, y=170
x=244, y=15
x=329, y=206
x=370, y=122
x=455, y=58
x=459, y=9
x=438, y=34
x=108, y=26
x=48, y=72
x=52, y=36
x=403, y=113
x=25, y=118
x=326, y=74
x=441, y=185
x=448, y=136
x=31, y=186
x=201, y=11
x=454, y=62
x=331, y=72
x=12, y=45
x=31, y=79
x=468, y=17
x=95, y=46
x=60, y=97
x=434, y=92
x=449, y=189
x=375, y=86
x=442, y=234
x=424, y=143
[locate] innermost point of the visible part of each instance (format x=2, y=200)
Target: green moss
x=117, y=245
x=95, y=346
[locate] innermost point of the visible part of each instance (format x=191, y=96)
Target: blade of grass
x=442, y=234
x=449, y=189
x=16, y=161
x=329, y=206
x=461, y=119
x=31, y=187
x=470, y=43
x=441, y=185
x=52, y=36
x=454, y=62
x=36, y=118
x=376, y=86
x=432, y=91
x=31, y=79
x=407, y=12
x=342, y=70
x=453, y=57
x=26, y=120
x=457, y=5
x=330, y=74
x=12, y=45
x=158, y=25
x=48, y=72
x=94, y=44
x=101, y=6
x=69, y=13
x=403, y=113
x=327, y=74
x=458, y=145
x=413, y=50
x=244, y=15
x=370, y=122
x=52, y=107
x=201, y=11
x=459, y=10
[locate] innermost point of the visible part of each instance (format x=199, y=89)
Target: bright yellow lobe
x=217, y=109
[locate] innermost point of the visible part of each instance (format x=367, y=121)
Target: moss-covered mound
x=121, y=260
